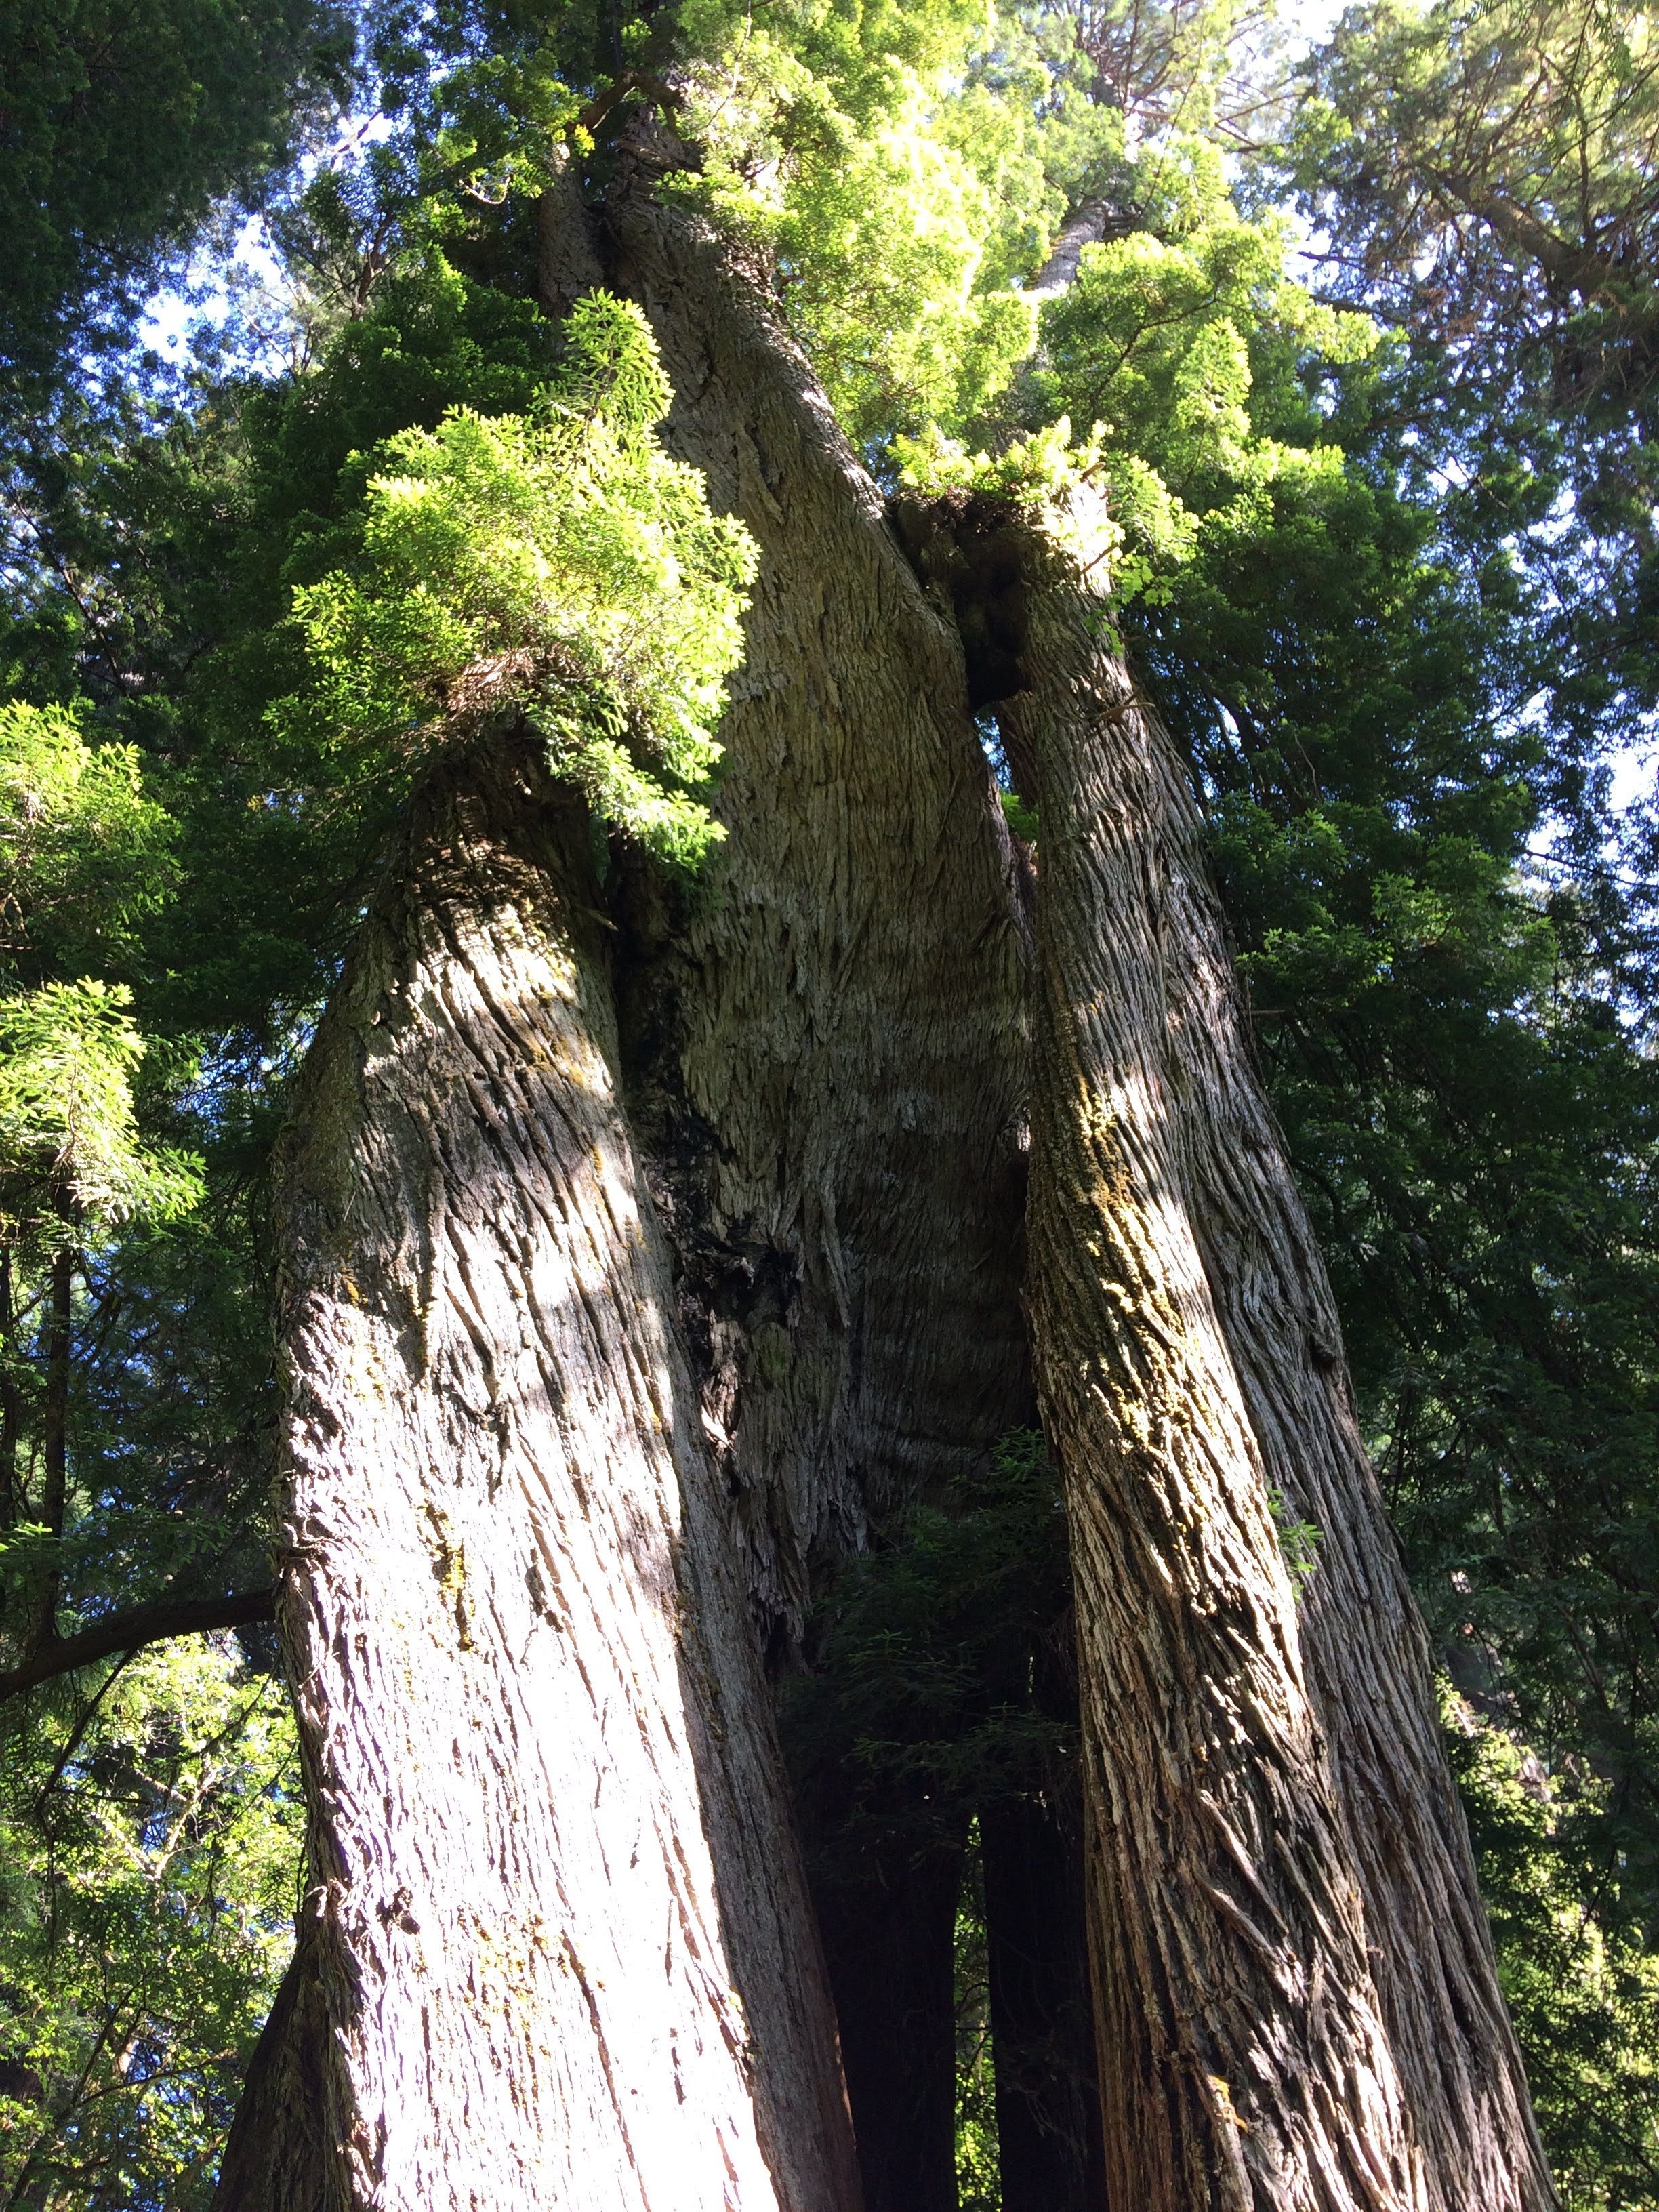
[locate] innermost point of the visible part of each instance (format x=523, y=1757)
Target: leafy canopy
x=125, y=122
x=557, y=563
x=84, y=856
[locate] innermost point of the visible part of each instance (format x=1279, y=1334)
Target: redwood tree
x=647, y=1239
x=653, y=1235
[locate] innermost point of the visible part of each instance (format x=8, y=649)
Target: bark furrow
x=557, y=1938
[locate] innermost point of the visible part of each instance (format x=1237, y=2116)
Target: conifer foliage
x=768, y=626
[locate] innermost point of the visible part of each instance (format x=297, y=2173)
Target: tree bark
x=828, y=1045
x=1362, y=1638
x=888, y=1929
x=556, y=1951
x=827, y=1051
x=1294, y=1795
x=1244, y=2061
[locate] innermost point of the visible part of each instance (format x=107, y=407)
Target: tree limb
x=130, y=1631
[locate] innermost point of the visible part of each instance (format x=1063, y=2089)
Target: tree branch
x=130, y=1631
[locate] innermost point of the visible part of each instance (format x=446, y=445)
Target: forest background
x=1360, y=343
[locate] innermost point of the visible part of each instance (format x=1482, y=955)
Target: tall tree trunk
x=556, y=1951
x=1362, y=1637
x=1244, y=2060
x=828, y=1045
x=1291, y=1803
x=827, y=1051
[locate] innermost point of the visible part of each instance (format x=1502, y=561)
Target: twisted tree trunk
x=557, y=1950
x=1297, y=1992
x=1362, y=1640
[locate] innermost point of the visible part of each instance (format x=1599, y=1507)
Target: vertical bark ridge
x=1245, y=2063
x=833, y=1048
x=1361, y=1633
x=558, y=1927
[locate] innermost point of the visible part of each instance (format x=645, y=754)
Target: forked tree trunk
x=828, y=1043
x=1298, y=1998
x=557, y=1952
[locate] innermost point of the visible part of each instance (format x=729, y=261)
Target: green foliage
x=1483, y=175
x=84, y=856
x=67, y=1055
x=123, y=125
x=1582, y=1987
x=1190, y=349
x=1490, y=169
x=941, y=1680
x=1298, y=1542
x=979, y=2180
x=559, y=562
x=149, y=1841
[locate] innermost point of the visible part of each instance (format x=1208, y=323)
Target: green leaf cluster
x=148, y=1851
x=557, y=563
x=1582, y=1985
x=85, y=856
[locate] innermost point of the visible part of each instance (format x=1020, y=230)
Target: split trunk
x=647, y=1251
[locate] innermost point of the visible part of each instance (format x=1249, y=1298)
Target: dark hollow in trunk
x=1042, y=2041
x=888, y=1926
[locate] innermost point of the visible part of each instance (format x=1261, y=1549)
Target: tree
x=803, y=1063
x=123, y=129
x=849, y=1285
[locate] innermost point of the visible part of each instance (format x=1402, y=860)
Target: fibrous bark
x=829, y=1049
x=557, y=1950
x=1362, y=1637
x=1298, y=1998
x=1244, y=2062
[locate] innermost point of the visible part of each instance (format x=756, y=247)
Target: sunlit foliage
x=148, y=1842
x=558, y=562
